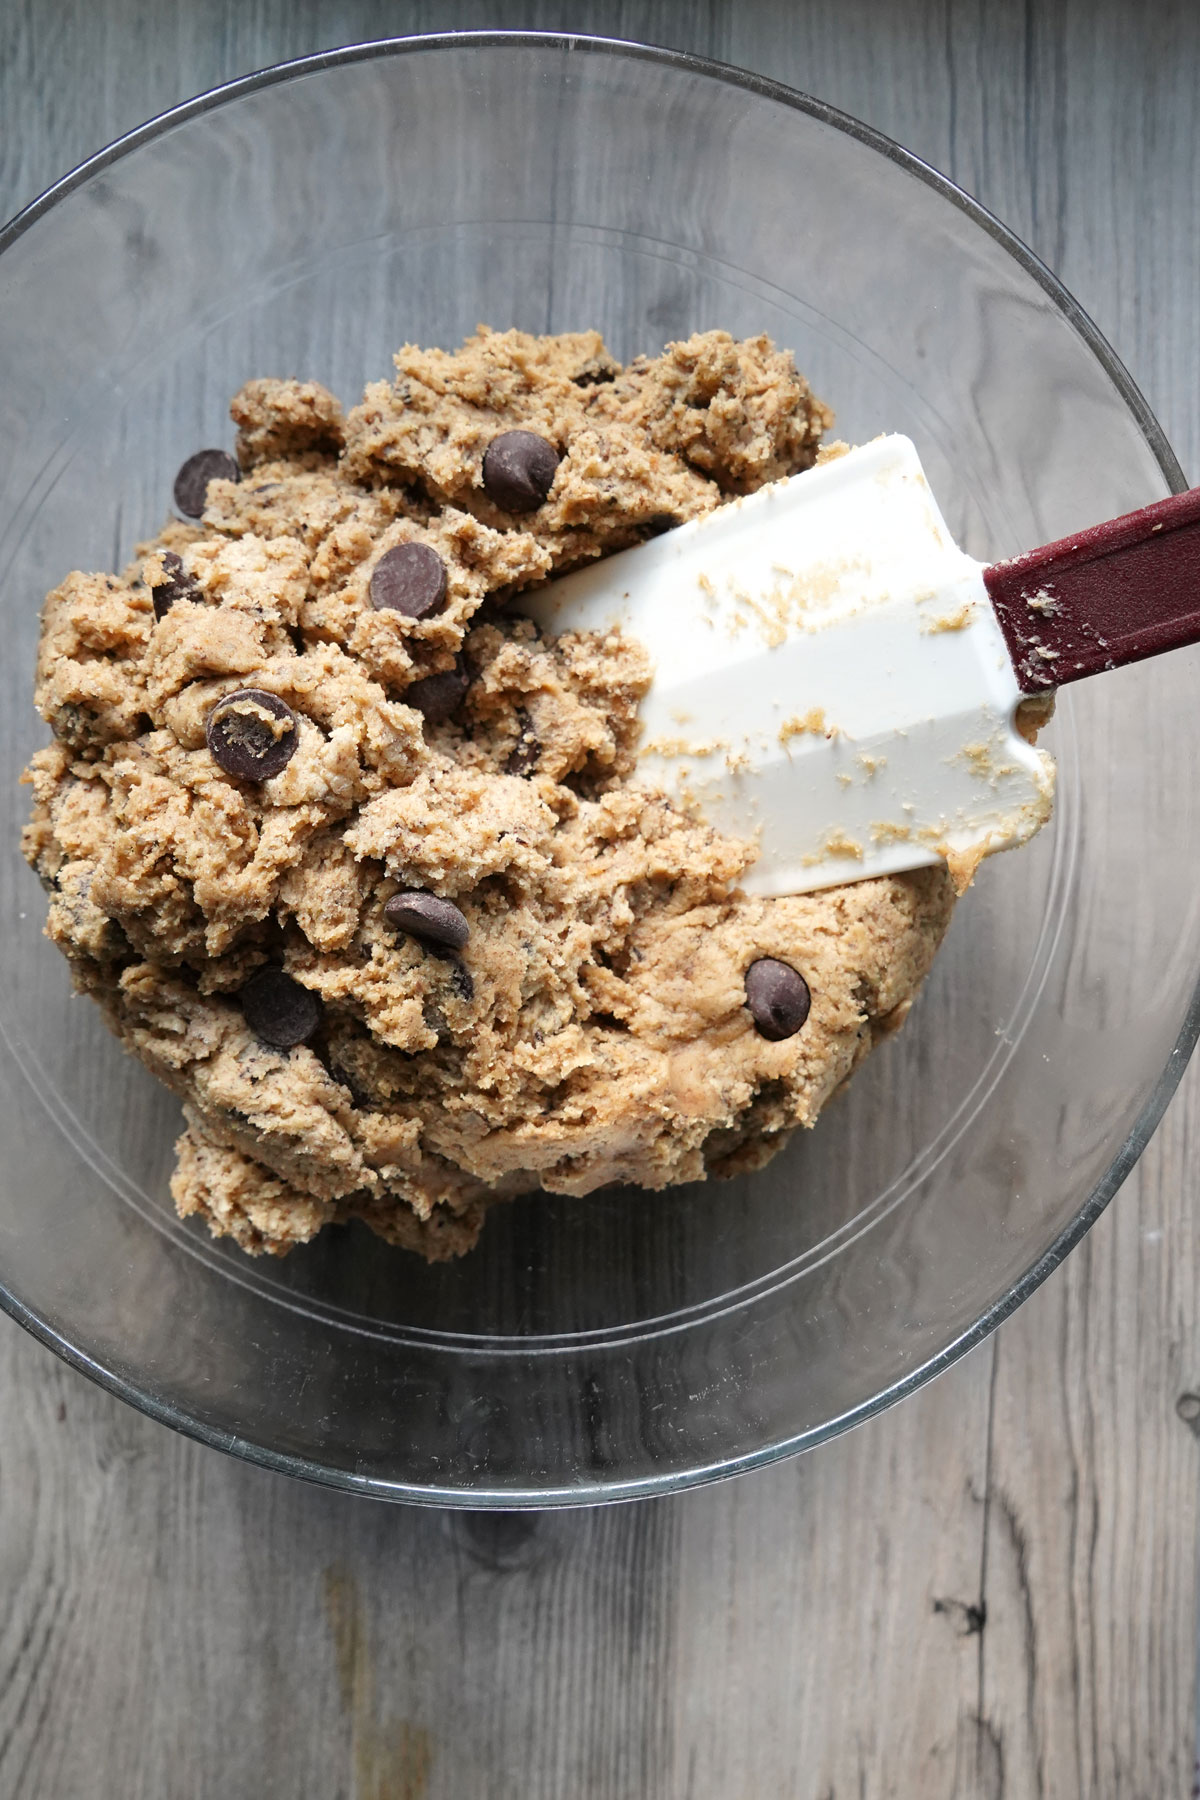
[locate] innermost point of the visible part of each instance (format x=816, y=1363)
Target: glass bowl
x=309, y=219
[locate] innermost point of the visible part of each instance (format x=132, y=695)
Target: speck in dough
x=515, y=968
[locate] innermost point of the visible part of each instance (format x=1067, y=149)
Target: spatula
x=836, y=678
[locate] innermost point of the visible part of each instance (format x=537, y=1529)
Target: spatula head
x=829, y=677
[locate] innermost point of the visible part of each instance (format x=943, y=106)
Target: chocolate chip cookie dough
x=348, y=853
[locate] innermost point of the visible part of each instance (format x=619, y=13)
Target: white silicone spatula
x=834, y=677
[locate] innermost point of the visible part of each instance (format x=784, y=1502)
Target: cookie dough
x=347, y=852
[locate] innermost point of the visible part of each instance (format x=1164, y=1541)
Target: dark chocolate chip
x=178, y=585
x=244, y=741
x=434, y=921
x=523, y=757
x=778, y=998
x=191, y=483
x=461, y=980
x=411, y=578
x=518, y=469
x=437, y=696
x=278, y=1010
x=658, y=524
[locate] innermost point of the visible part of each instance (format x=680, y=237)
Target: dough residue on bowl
x=594, y=1025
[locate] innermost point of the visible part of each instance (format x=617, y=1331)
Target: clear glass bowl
x=306, y=221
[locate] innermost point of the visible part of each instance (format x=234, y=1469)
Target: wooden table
x=989, y=1591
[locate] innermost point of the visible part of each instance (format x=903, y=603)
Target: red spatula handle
x=1107, y=596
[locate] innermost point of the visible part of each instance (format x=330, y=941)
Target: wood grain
x=988, y=1592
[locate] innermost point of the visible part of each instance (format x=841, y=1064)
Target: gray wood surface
x=991, y=1590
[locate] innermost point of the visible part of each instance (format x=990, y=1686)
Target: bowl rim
x=677, y=1480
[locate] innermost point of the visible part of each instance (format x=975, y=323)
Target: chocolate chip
x=191, y=483
x=278, y=1010
x=429, y=918
x=242, y=738
x=523, y=758
x=461, y=980
x=178, y=585
x=658, y=524
x=778, y=998
x=437, y=696
x=411, y=578
x=518, y=469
